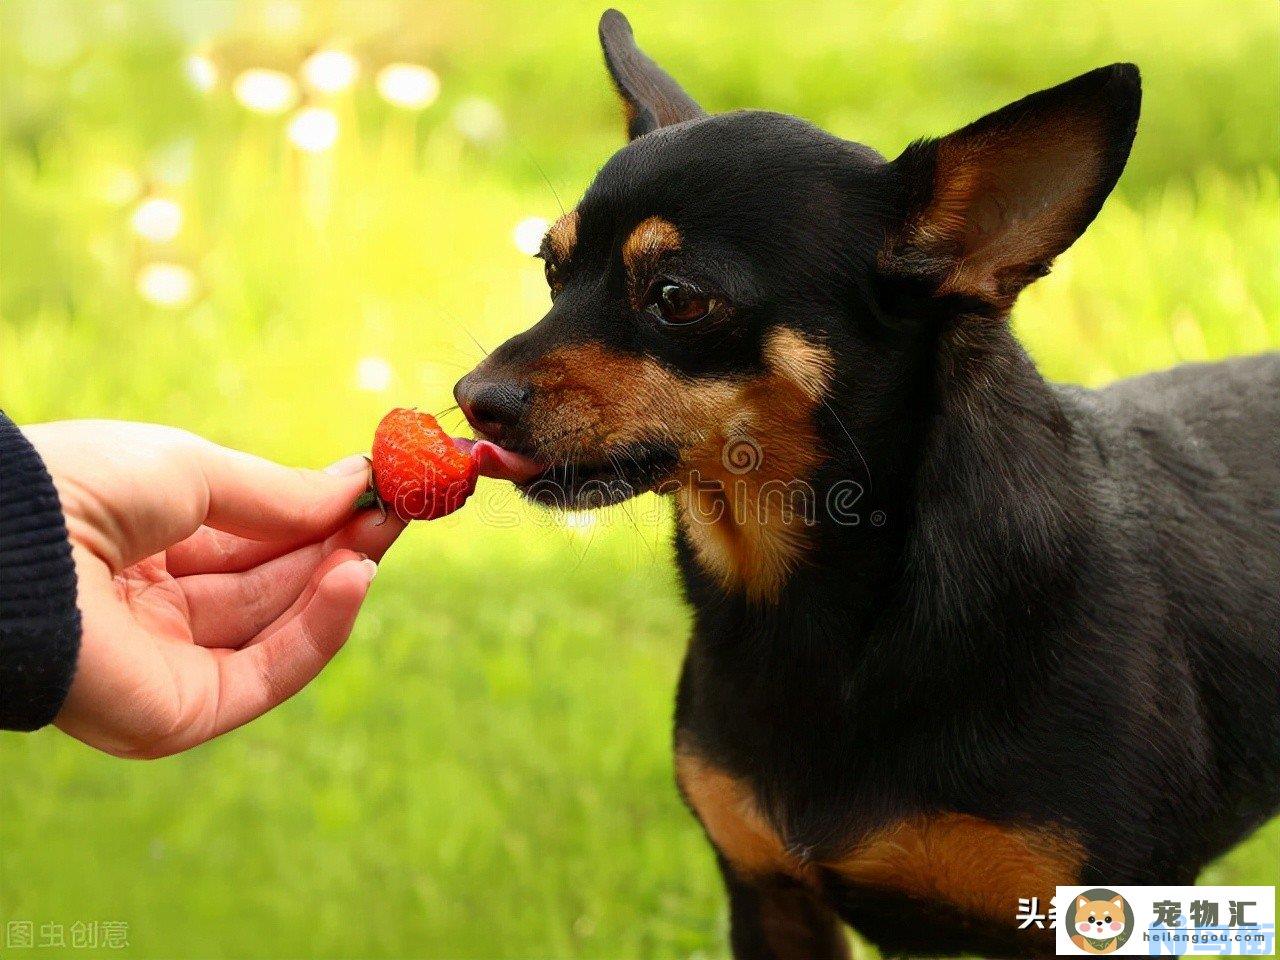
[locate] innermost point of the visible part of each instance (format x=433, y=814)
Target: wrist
x=39, y=621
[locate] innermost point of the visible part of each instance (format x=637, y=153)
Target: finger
x=230, y=609
x=330, y=561
x=368, y=534
x=262, y=500
x=212, y=551
x=264, y=675
x=209, y=550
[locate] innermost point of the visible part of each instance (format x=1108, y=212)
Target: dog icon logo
x=1102, y=921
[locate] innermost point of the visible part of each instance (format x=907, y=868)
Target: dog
x=1098, y=925
x=960, y=634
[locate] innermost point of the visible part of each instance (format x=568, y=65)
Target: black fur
x=1066, y=610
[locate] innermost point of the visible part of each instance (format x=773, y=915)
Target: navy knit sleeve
x=39, y=622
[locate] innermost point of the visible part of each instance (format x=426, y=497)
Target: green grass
x=484, y=771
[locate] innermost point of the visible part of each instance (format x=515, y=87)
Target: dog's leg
x=778, y=919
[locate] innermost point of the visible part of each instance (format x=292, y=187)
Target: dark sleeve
x=39, y=622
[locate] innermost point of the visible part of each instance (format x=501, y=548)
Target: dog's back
x=1223, y=415
x=1190, y=484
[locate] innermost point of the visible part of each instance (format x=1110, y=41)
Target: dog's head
x=745, y=290
x=1099, y=919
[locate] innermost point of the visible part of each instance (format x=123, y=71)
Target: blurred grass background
x=484, y=772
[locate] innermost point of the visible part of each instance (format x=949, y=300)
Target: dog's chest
x=975, y=867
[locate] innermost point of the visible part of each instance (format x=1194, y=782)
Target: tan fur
x=562, y=238
x=733, y=823
x=748, y=527
x=590, y=397
x=974, y=865
x=806, y=365
x=648, y=241
x=756, y=534
x=976, y=184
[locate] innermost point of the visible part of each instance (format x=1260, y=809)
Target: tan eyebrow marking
x=563, y=236
x=650, y=239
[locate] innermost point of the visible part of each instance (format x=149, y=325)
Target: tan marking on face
x=649, y=240
x=973, y=865
x=747, y=521
x=586, y=397
x=563, y=236
x=756, y=533
x=806, y=365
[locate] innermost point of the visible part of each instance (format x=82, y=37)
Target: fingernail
x=356, y=463
x=371, y=567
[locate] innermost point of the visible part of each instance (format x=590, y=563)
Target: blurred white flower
x=157, y=219
x=166, y=284
x=373, y=374
x=202, y=72
x=330, y=71
x=266, y=91
x=408, y=85
x=528, y=234
x=313, y=129
x=479, y=120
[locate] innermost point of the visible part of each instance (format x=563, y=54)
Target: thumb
x=291, y=653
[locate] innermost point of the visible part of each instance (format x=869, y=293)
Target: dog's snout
x=491, y=406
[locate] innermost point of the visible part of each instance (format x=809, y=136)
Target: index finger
x=255, y=498
x=212, y=551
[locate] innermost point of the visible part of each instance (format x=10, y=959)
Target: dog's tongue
x=500, y=463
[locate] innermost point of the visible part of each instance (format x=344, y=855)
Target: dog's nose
x=491, y=406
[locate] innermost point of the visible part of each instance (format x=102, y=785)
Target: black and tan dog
x=961, y=634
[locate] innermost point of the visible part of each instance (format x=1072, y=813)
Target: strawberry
x=419, y=471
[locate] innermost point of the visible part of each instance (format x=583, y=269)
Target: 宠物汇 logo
x=1165, y=921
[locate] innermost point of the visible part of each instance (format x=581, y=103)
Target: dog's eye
x=678, y=304
x=1092, y=918
x=1107, y=918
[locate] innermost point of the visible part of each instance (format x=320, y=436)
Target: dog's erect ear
x=1118, y=902
x=987, y=208
x=1081, y=903
x=650, y=97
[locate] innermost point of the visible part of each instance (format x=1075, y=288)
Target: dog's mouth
x=607, y=476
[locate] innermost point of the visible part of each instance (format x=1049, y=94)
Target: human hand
x=212, y=585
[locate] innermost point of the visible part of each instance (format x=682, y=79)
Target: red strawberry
x=419, y=471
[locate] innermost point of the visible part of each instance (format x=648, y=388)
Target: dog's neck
x=997, y=499
x=969, y=501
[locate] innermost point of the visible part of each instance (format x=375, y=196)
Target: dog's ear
x=986, y=209
x=1081, y=903
x=650, y=98
x=1119, y=902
